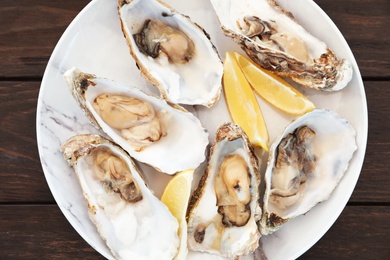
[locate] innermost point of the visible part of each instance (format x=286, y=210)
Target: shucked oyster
x=305, y=165
x=126, y=213
x=224, y=209
x=172, y=52
x=161, y=41
x=272, y=38
x=151, y=131
x=135, y=119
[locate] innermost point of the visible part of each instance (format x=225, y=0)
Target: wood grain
x=22, y=179
x=29, y=31
x=31, y=232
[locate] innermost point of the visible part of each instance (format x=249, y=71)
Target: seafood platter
x=139, y=93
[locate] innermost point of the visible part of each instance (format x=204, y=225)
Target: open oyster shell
x=126, y=213
x=172, y=52
x=305, y=165
x=170, y=139
x=223, y=211
x=272, y=38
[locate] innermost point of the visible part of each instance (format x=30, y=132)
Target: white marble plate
x=94, y=43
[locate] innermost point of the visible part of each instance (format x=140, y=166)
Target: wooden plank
x=364, y=24
x=29, y=231
x=359, y=233
x=29, y=31
x=21, y=175
x=27, y=39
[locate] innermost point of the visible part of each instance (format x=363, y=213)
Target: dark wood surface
x=31, y=224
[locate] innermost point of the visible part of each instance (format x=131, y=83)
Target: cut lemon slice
x=176, y=196
x=273, y=89
x=242, y=103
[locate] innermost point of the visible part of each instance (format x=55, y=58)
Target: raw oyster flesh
x=224, y=210
x=272, y=38
x=141, y=124
x=305, y=165
x=172, y=52
x=126, y=213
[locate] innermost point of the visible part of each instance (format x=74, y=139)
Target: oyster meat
x=126, y=213
x=136, y=119
x=305, y=165
x=224, y=210
x=172, y=52
x=142, y=125
x=271, y=37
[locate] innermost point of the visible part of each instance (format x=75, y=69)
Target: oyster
x=136, y=119
x=272, y=38
x=142, y=125
x=224, y=210
x=126, y=213
x=172, y=52
x=305, y=165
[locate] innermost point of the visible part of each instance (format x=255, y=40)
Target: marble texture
x=94, y=43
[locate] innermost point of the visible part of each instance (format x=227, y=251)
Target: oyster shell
x=172, y=52
x=224, y=210
x=143, y=125
x=272, y=38
x=305, y=165
x=126, y=213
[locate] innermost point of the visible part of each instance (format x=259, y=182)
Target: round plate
x=94, y=43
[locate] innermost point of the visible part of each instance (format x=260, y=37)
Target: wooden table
x=31, y=224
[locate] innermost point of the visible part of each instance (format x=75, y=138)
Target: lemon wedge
x=242, y=103
x=176, y=196
x=273, y=89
